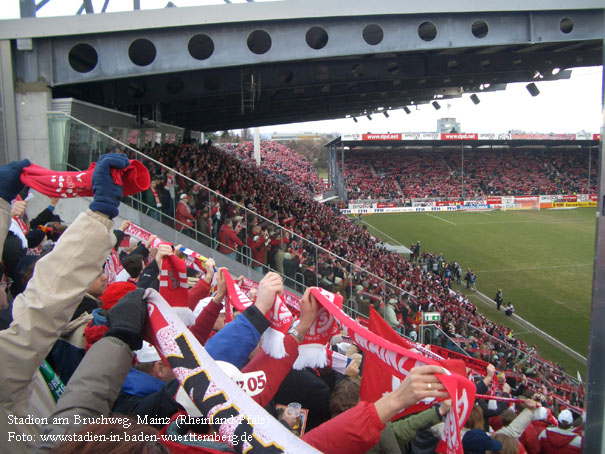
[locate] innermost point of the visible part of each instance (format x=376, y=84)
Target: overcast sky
x=562, y=106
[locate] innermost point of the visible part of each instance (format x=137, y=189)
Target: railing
x=75, y=144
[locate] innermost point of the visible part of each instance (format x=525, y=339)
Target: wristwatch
x=296, y=334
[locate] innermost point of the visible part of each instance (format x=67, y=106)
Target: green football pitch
x=542, y=261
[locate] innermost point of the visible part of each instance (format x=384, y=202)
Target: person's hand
x=445, y=406
x=18, y=208
x=10, y=179
x=268, y=287
x=209, y=265
x=352, y=369
x=124, y=225
x=150, y=241
x=127, y=319
x=107, y=194
x=164, y=250
x=421, y=383
x=221, y=286
x=506, y=388
x=54, y=201
x=288, y=418
x=308, y=312
x=529, y=403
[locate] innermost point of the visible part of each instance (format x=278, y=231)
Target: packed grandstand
x=267, y=217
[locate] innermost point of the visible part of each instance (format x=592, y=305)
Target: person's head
x=509, y=444
x=134, y=265
x=507, y=416
x=565, y=419
x=98, y=286
x=475, y=419
x=477, y=441
x=344, y=396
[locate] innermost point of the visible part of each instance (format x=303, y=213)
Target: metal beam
x=310, y=10
x=41, y=4
x=136, y=5
x=88, y=6
x=104, y=8
x=9, y=147
x=27, y=8
x=595, y=389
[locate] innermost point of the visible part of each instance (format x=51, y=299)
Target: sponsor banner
x=420, y=136
x=584, y=136
x=386, y=205
x=493, y=136
x=570, y=198
x=526, y=198
x=446, y=203
x=574, y=204
x=351, y=137
x=494, y=200
x=421, y=204
x=398, y=210
x=474, y=202
x=458, y=136
x=594, y=197
x=543, y=136
x=549, y=198
x=545, y=205
x=474, y=206
x=356, y=206
x=381, y=137
x=596, y=137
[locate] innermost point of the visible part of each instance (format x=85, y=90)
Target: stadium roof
x=240, y=65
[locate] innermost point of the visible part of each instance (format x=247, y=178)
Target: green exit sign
x=432, y=316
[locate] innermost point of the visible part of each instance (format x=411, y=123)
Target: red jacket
x=558, y=441
x=530, y=438
x=258, y=249
x=228, y=240
x=183, y=215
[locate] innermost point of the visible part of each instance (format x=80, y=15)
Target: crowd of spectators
x=425, y=174
x=65, y=312
x=423, y=283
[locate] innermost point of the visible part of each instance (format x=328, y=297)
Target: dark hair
x=344, y=396
x=114, y=447
x=475, y=419
x=133, y=264
x=507, y=416
x=509, y=444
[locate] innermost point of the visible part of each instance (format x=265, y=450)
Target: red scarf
x=134, y=178
x=158, y=204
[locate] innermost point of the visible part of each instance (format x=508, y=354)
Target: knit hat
x=34, y=238
x=114, y=292
x=477, y=441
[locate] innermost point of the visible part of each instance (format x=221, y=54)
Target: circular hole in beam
x=83, y=58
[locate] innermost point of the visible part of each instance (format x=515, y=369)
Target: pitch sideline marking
x=534, y=268
x=381, y=232
x=538, y=330
x=441, y=219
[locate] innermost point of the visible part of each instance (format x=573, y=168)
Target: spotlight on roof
x=475, y=99
x=436, y=105
x=407, y=110
x=369, y=116
x=355, y=119
x=532, y=89
x=386, y=114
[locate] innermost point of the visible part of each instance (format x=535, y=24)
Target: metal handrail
x=217, y=194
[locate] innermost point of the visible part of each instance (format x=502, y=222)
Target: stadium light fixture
x=407, y=110
x=532, y=89
x=475, y=99
x=436, y=105
x=386, y=114
x=369, y=117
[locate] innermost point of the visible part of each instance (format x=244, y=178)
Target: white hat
x=183, y=195
x=565, y=417
x=540, y=414
x=337, y=280
x=202, y=304
x=147, y=353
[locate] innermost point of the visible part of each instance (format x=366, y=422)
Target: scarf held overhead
x=245, y=425
x=133, y=179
